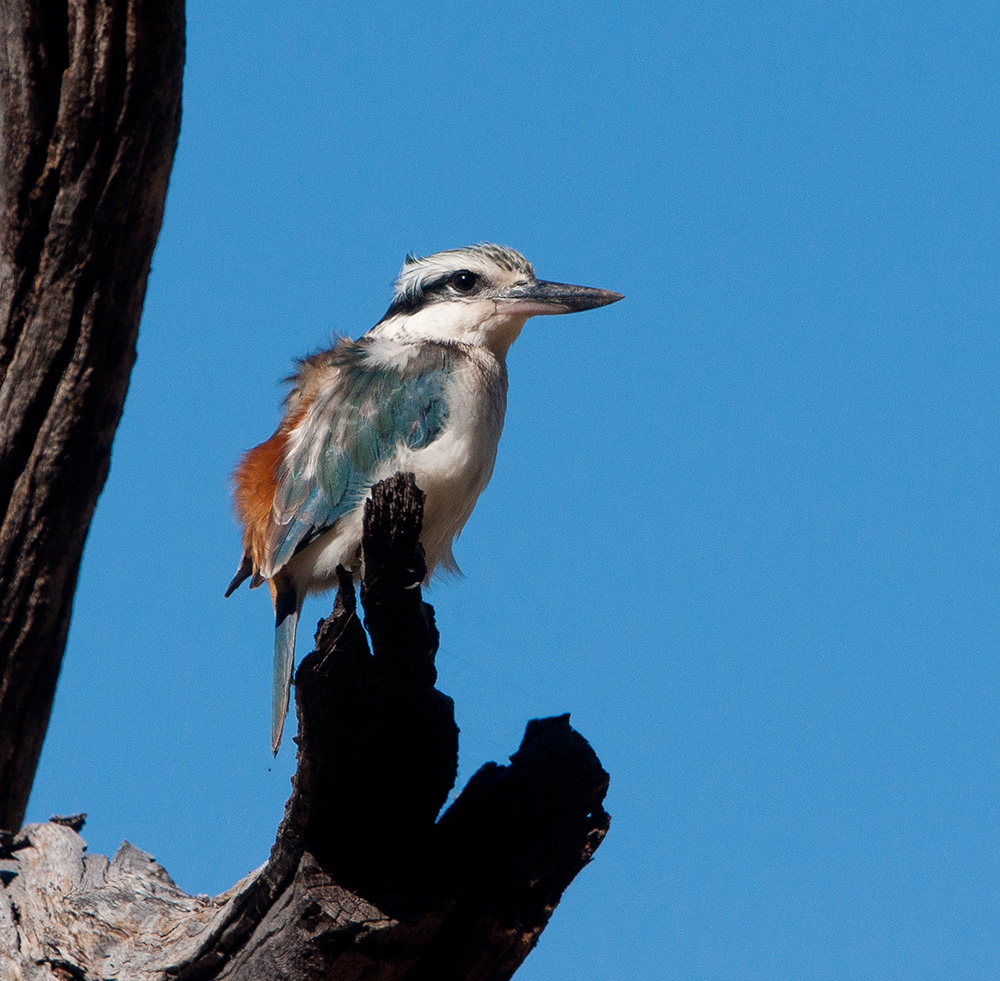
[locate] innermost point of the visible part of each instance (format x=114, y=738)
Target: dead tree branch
x=363, y=880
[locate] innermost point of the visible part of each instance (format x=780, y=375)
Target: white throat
x=480, y=323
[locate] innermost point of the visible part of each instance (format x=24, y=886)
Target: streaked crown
x=432, y=278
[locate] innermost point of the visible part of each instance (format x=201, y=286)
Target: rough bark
x=363, y=881
x=90, y=112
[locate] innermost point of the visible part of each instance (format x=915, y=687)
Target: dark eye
x=464, y=281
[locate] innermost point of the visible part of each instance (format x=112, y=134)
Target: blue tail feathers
x=286, y=619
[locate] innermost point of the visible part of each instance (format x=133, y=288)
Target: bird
x=423, y=391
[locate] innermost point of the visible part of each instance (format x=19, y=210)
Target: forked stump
x=363, y=881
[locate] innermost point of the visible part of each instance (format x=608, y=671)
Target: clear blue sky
x=744, y=525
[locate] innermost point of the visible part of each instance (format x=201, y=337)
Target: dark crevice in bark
x=31, y=106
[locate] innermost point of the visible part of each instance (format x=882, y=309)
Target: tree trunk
x=362, y=881
x=90, y=96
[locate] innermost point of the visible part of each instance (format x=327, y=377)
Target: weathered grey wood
x=90, y=112
x=364, y=880
x=77, y=913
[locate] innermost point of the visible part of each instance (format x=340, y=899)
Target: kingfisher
x=423, y=391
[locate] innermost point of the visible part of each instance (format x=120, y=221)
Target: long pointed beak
x=541, y=297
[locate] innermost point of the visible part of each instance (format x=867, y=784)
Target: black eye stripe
x=463, y=282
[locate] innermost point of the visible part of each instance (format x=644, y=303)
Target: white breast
x=455, y=469
x=452, y=472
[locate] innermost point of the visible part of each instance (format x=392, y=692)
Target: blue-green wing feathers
x=364, y=411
